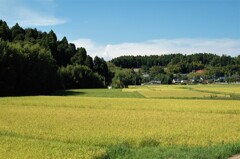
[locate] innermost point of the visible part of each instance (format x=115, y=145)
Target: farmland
x=201, y=121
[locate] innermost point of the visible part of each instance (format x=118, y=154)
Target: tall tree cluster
x=179, y=63
x=35, y=62
x=165, y=68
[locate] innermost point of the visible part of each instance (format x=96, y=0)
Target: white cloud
x=31, y=18
x=162, y=46
x=93, y=48
x=23, y=12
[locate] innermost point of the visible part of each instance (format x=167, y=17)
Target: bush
x=79, y=76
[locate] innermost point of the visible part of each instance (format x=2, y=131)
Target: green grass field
x=201, y=121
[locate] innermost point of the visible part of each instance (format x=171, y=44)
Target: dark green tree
x=125, y=77
x=156, y=70
x=5, y=33
x=89, y=62
x=100, y=66
x=18, y=33
x=79, y=76
x=31, y=35
x=80, y=56
x=26, y=68
x=64, y=53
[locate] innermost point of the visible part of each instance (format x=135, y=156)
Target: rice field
x=182, y=91
x=128, y=123
x=223, y=89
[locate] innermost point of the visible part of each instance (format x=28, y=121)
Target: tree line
x=165, y=68
x=179, y=63
x=35, y=62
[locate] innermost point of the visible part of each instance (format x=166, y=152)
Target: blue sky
x=110, y=28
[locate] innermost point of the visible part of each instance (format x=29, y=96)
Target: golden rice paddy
x=84, y=127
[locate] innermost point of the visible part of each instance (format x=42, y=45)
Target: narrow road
x=235, y=157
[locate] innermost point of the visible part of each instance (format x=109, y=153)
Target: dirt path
x=235, y=157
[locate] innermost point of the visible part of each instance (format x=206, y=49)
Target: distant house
x=155, y=82
x=145, y=75
x=184, y=81
x=136, y=70
x=200, y=71
x=152, y=82
x=221, y=79
x=175, y=81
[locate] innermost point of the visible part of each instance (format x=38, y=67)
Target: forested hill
x=36, y=62
x=179, y=63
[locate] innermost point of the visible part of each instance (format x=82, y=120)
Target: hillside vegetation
x=35, y=62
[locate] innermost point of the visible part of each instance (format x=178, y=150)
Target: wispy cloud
x=93, y=48
x=24, y=13
x=31, y=18
x=162, y=46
